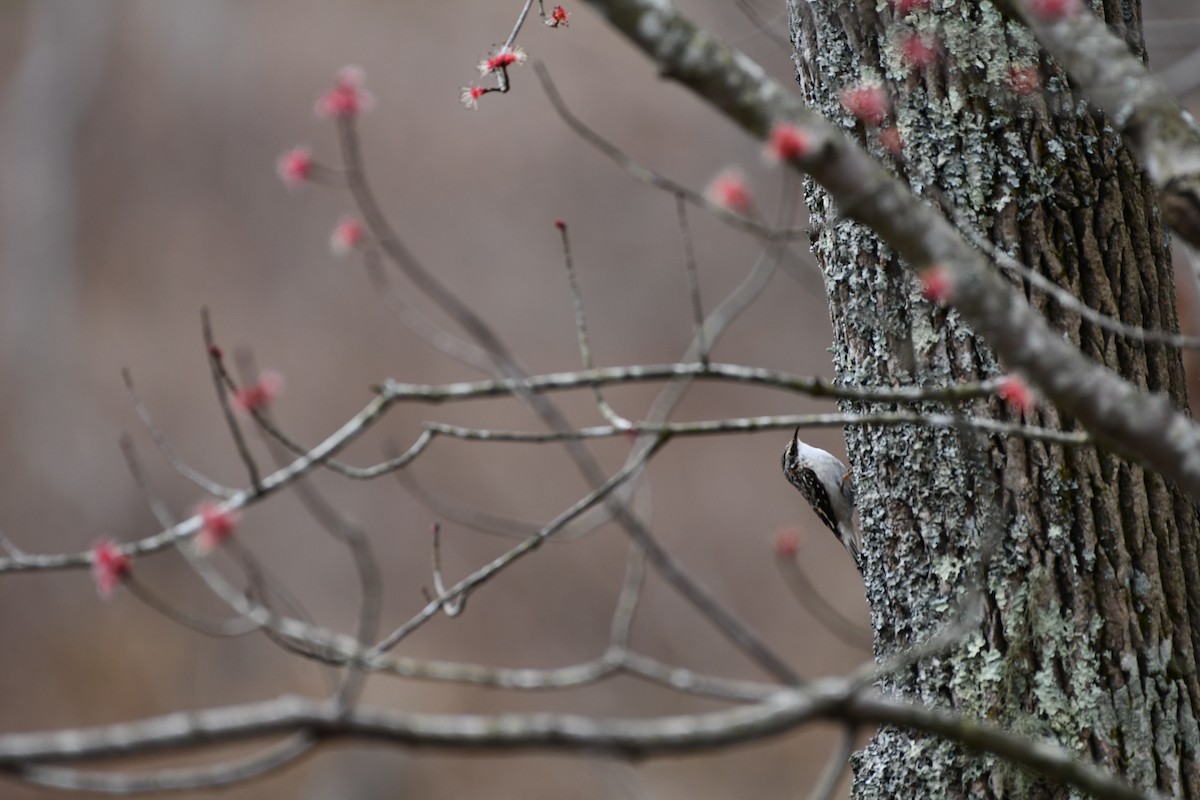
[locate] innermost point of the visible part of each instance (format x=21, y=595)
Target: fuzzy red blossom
x=905, y=7
x=891, y=140
x=1053, y=10
x=867, y=101
x=936, y=284
x=216, y=525
x=109, y=567
x=1024, y=79
x=260, y=394
x=216, y=352
x=470, y=95
x=918, y=51
x=1017, y=393
x=787, y=543
x=347, y=235
x=560, y=223
x=505, y=58
x=295, y=167
x=558, y=18
x=787, y=142
x=347, y=98
x=729, y=190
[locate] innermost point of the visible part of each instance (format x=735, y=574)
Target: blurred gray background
x=137, y=149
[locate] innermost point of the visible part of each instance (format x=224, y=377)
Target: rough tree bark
x=1088, y=633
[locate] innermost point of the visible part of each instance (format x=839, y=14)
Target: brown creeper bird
x=827, y=486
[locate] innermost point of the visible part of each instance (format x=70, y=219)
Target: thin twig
x=1183, y=76
x=627, y=600
x=10, y=547
x=585, y=349
x=217, y=628
x=835, y=767
x=692, y=682
x=237, y=626
x=446, y=343
x=766, y=27
x=220, y=381
x=314, y=643
x=164, y=446
x=461, y=513
x=693, y=279
x=454, y=606
x=649, y=176
x=824, y=612
x=512, y=37
x=156, y=504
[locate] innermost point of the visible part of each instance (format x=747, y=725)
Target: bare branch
x=784, y=710
x=643, y=373
x=767, y=423
x=211, y=776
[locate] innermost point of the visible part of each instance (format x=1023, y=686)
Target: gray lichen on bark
x=1086, y=636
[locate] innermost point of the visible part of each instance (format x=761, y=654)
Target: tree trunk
x=1087, y=635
